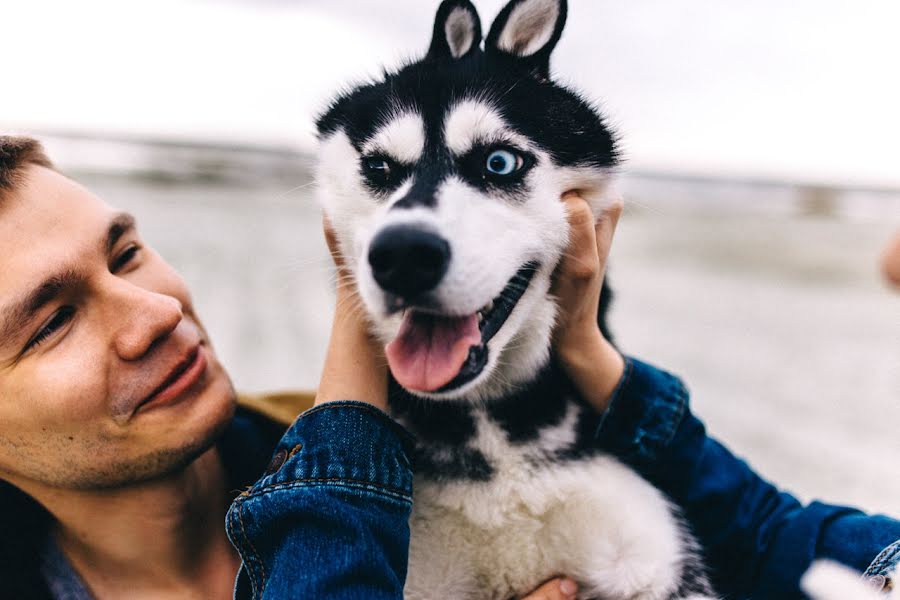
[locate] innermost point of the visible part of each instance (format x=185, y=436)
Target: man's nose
x=408, y=261
x=144, y=317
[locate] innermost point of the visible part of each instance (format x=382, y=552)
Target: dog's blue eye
x=502, y=162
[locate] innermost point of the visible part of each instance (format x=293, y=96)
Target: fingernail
x=568, y=587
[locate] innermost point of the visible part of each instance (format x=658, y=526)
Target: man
x=120, y=451
x=112, y=396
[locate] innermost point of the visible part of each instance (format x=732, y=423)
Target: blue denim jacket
x=329, y=517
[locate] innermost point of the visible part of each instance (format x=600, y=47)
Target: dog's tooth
x=480, y=316
x=489, y=307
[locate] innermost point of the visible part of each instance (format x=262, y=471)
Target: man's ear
x=457, y=31
x=528, y=30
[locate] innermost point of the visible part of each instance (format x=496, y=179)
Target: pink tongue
x=430, y=351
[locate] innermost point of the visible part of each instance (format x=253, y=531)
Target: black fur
x=446, y=428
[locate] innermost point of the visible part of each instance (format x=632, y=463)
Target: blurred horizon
x=188, y=161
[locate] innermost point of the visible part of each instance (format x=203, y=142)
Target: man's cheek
x=68, y=389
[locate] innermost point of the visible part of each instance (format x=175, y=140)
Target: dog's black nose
x=408, y=261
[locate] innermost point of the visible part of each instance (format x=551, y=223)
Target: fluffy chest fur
x=514, y=493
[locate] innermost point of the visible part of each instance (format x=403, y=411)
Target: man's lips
x=185, y=373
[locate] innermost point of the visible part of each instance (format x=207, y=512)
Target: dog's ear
x=528, y=31
x=457, y=31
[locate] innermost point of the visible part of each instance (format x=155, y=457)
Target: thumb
x=556, y=589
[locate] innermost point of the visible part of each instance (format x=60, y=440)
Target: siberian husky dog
x=443, y=182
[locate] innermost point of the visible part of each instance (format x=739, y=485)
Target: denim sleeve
x=329, y=517
x=759, y=540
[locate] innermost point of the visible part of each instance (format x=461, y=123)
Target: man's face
x=106, y=375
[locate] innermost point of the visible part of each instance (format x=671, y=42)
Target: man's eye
x=124, y=258
x=59, y=319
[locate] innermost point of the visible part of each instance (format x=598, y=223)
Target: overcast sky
x=806, y=89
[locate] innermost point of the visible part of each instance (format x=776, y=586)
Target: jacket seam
x=886, y=559
x=677, y=415
x=384, y=490
x=257, y=589
x=611, y=411
x=372, y=410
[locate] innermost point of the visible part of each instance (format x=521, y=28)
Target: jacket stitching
x=244, y=539
x=257, y=588
x=676, y=416
x=614, y=400
x=406, y=435
x=886, y=559
x=383, y=489
x=233, y=535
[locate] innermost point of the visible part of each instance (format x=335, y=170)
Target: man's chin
x=158, y=463
x=169, y=443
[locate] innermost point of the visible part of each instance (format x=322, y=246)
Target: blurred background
x=762, y=180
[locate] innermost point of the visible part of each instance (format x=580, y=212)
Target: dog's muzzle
x=434, y=351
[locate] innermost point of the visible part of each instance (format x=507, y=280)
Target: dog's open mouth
x=437, y=353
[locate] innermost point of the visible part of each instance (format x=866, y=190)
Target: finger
x=332, y=242
x=606, y=228
x=555, y=589
x=580, y=260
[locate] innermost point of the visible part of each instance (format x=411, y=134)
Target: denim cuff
x=885, y=569
x=644, y=413
x=342, y=442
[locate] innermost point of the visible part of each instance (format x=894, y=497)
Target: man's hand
x=355, y=368
x=555, y=589
x=890, y=261
x=592, y=363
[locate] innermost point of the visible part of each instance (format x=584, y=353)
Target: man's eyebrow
x=21, y=312
x=121, y=224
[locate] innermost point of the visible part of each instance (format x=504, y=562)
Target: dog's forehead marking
x=402, y=138
x=470, y=121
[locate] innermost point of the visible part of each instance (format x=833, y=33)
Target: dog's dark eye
x=503, y=162
x=380, y=171
x=378, y=166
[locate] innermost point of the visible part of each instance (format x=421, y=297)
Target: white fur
x=827, y=580
x=470, y=121
x=596, y=521
x=403, y=138
x=529, y=27
x=459, y=31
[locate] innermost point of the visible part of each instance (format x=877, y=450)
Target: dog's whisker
x=302, y=186
x=632, y=201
